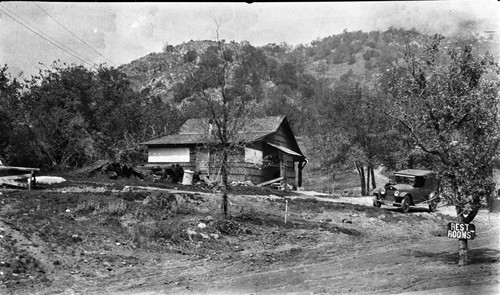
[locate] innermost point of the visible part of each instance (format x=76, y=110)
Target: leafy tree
x=58, y=102
x=341, y=54
x=80, y=115
x=286, y=74
x=351, y=134
x=190, y=56
x=9, y=96
x=116, y=113
x=18, y=142
x=447, y=100
x=370, y=53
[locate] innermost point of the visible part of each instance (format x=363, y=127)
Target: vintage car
x=410, y=187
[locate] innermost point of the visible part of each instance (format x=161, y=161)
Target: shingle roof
x=193, y=131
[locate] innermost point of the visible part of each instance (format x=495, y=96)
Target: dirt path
x=330, y=245
x=405, y=265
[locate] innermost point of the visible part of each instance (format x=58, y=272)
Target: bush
x=190, y=56
x=163, y=201
x=115, y=207
x=371, y=44
x=159, y=231
x=88, y=206
x=370, y=53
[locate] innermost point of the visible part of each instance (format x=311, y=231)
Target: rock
x=191, y=234
x=345, y=220
x=202, y=225
x=215, y=236
x=205, y=236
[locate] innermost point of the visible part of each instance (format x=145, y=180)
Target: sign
x=461, y=231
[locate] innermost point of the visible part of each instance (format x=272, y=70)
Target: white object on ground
x=49, y=179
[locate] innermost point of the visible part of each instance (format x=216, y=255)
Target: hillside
x=362, y=53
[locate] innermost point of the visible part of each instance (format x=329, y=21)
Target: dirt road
x=328, y=246
x=410, y=260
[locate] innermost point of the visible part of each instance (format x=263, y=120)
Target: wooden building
x=270, y=152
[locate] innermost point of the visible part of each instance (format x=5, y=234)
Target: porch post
x=283, y=169
x=299, y=181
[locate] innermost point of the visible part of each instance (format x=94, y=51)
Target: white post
x=286, y=208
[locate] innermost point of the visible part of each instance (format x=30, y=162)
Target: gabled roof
x=194, y=131
x=256, y=125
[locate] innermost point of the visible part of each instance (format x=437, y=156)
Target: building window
x=253, y=156
x=168, y=155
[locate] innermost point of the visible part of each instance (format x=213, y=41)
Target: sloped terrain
x=97, y=238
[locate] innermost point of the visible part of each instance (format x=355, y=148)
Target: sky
x=34, y=34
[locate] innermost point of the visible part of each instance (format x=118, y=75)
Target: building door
x=203, y=161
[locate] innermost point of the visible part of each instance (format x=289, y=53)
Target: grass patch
x=88, y=206
x=115, y=207
x=159, y=231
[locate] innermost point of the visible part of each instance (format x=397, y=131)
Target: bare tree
x=221, y=85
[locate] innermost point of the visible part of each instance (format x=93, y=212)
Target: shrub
x=190, y=56
x=115, y=207
x=370, y=53
x=162, y=200
x=88, y=206
x=159, y=231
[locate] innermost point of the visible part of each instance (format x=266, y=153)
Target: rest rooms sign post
x=461, y=231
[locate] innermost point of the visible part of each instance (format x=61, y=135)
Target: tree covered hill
x=362, y=54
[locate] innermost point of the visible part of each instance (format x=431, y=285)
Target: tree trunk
x=374, y=183
x=361, y=173
x=368, y=176
x=462, y=252
x=411, y=161
x=462, y=243
x=224, y=169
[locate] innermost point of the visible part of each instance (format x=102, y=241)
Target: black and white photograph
x=253, y=148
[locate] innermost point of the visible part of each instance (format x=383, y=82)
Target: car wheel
x=433, y=206
x=405, y=204
x=376, y=204
x=434, y=201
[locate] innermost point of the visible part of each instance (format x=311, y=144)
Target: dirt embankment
x=175, y=242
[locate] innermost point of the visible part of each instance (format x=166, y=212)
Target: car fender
x=403, y=194
x=435, y=195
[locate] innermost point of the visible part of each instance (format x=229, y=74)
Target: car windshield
x=405, y=180
x=417, y=181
